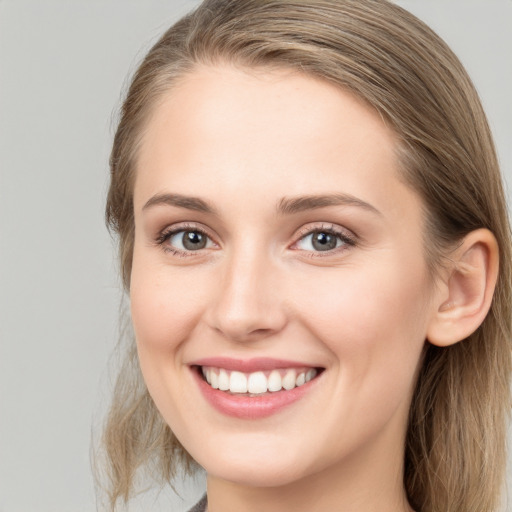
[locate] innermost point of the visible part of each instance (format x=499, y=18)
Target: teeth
x=311, y=374
x=257, y=382
x=223, y=380
x=214, y=380
x=289, y=380
x=237, y=382
x=275, y=382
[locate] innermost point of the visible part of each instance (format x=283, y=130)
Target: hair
x=455, y=445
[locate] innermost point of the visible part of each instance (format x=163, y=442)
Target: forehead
x=231, y=102
x=264, y=131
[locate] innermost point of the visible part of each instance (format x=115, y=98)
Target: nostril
x=260, y=332
x=239, y=332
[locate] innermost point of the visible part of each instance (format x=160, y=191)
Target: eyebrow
x=187, y=202
x=293, y=205
x=286, y=206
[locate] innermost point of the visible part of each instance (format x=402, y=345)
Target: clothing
x=200, y=506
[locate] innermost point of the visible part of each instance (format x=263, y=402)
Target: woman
x=314, y=237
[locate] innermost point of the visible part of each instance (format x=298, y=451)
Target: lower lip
x=251, y=408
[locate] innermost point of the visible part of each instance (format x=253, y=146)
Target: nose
x=248, y=304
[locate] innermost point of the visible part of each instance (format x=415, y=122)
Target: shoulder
x=200, y=506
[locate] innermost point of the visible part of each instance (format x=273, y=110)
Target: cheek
x=165, y=305
x=165, y=310
x=374, y=325
x=373, y=320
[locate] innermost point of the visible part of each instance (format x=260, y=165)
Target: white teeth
x=237, y=382
x=223, y=380
x=214, y=380
x=256, y=383
x=311, y=374
x=289, y=380
x=275, y=382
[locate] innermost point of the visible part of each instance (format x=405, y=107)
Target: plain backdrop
x=63, y=65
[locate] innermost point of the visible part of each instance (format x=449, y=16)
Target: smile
x=259, y=382
x=256, y=388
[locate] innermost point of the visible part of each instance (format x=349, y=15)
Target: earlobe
x=464, y=297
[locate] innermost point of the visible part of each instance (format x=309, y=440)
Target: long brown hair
x=455, y=448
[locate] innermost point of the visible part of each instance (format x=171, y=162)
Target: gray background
x=62, y=67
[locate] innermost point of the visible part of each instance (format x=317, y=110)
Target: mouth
x=254, y=389
x=259, y=382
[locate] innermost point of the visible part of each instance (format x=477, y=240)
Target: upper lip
x=249, y=365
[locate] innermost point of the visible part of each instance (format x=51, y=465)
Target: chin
x=250, y=475
x=255, y=468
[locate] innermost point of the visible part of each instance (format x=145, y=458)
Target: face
x=279, y=292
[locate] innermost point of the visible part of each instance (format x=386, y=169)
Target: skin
x=242, y=141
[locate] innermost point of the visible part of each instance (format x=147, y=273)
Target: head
x=390, y=63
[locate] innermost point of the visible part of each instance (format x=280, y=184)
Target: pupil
x=193, y=240
x=324, y=241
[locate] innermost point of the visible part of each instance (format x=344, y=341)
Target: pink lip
x=249, y=365
x=244, y=406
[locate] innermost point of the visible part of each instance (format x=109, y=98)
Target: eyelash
x=348, y=239
x=168, y=233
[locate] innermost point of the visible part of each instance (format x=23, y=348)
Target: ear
x=464, y=295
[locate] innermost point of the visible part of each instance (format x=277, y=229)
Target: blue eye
x=188, y=240
x=322, y=241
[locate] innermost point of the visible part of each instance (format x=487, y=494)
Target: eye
x=186, y=240
x=323, y=240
